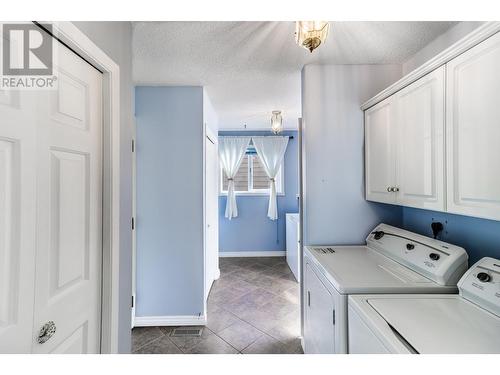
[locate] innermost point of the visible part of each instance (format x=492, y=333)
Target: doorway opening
x=251, y=263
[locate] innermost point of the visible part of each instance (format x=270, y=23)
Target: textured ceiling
x=252, y=68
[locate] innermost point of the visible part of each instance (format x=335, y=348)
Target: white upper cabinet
x=405, y=145
x=473, y=131
x=435, y=143
x=380, y=152
x=419, y=113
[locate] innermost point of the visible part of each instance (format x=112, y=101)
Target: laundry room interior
x=353, y=183
x=192, y=187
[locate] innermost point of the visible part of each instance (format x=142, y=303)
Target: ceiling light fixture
x=311, y=34
x=276, y=122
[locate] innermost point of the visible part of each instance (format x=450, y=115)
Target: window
x=251, y=178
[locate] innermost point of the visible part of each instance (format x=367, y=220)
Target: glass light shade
x=310, y=34
x=276, y=122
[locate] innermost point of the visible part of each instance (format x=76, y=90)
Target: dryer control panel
x=481, y=285
x=439, y=261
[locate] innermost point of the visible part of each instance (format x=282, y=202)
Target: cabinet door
x=319, y=332
x=379, y=152
x=420, y=143
x=473, y=131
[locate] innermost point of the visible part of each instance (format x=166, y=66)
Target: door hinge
x=133, y=224
x=333, y=315
x=133, y=301
x=133, y=145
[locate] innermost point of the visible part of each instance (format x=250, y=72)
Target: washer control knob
x=410, y=246
x=483, y=277
x=434, y=256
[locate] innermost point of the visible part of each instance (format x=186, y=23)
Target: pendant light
x=276, y=122
x=311, y=34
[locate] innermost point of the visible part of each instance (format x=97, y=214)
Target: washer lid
x=440, y=324
x=359, y=269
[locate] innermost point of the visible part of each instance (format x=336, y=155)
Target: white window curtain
x=271, y=151
x=231, y=153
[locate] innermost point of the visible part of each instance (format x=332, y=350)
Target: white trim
x=475, y=37
x=301, y=148
x=81, y=44
x=180, y=320
x=243, y=254
x=205, y=136
x=268, y=129
x=251, y=194
x=134, y=215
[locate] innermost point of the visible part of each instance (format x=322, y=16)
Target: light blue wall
x=169, y=201
x=335, y=209
x=252, y=230
x=479, y=237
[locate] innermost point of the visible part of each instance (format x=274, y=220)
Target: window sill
x=252, y=194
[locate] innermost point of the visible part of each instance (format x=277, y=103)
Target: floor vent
x=187, y=332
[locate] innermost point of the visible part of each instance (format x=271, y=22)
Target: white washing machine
x=464, y=323
x=393, y=261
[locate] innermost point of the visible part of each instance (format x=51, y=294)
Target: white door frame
x=81, y=44
x=134, y=218
x=209, y=135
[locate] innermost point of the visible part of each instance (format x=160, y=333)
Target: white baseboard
x=236, y=254
x=181, y=320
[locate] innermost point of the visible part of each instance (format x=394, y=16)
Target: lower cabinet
x=319, y=315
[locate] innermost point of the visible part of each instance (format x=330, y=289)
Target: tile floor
x=252, y=309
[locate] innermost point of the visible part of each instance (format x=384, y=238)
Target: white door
x=212, y=212
x=69, y=245
x=319, y=325
x=50, y=195
x=473, y=131
x=380, y=152
x=17, y=219
x=420, y=142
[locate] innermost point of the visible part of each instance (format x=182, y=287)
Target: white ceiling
x=252, y=68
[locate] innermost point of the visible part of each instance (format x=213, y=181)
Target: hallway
x=252, y=309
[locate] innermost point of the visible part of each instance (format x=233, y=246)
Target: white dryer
x=464, y=323
x=393, y=261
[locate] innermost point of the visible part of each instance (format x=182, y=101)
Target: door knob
x=46, y=332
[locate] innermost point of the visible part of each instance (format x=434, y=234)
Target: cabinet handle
x=333, y=316
x=389, y=189
x=395, y=189
x=308, y=298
